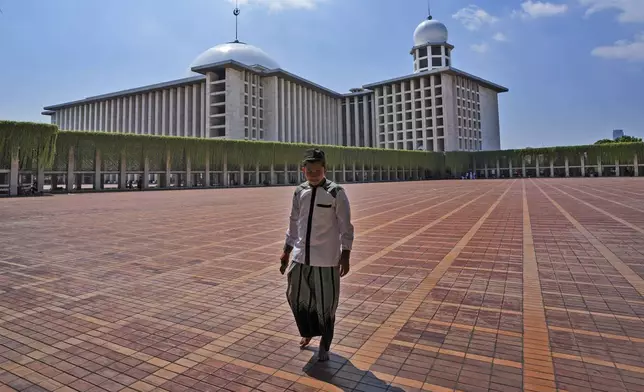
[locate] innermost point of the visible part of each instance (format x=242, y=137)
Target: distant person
x=320, y=236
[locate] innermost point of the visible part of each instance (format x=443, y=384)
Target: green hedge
x=31, y=140
x=42, y=141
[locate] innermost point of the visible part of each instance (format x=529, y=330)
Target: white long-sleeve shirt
x=320, y=224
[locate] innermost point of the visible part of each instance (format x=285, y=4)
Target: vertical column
x=617, y=168
x=113, y=115
x=186, y=111
x=306, y=129
x=224, y=168
x=98, y=178
x=40, y=176
x=172, y=129
x=567, y=166
x=257, y=174
x=123, y=170
x=146, y=171
x=119, y=115
x=167, y=169
x=636, y=166
x=552, y=167
x=164, y=113
x=157, y=113
x=188, y=181
x=206, y=173
x=101, y=115
x=487, y=175
x=347, y=122
x=498, y=169
x=242, y=175
x=273, y=178
x=195, y=111
x=286, y=173
x=205, y=110
x=583, y=166
x=14, y=173
x=510, y=167
x=523, y=173
x=538, y=168
x=149, y=127
x=356, y=121
x=599, y=166
x=144, y=114
x=137, y=115
x=94, y=116
x=70, y=170
x=289, y=113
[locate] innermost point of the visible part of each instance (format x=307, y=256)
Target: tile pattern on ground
x=516, y=285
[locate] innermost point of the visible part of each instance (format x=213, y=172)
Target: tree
x=623, y=139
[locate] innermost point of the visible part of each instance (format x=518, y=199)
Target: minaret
x=431, y=49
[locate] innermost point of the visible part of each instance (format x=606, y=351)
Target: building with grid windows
x=239, y=92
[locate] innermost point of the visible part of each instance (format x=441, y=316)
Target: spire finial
x=236, y=13
x=429, y=10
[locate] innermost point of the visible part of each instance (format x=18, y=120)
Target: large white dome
x=430, y=31
x=238, y=51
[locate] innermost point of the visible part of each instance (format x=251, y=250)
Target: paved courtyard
x=511, y=285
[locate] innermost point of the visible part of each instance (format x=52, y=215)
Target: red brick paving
x=509, y=285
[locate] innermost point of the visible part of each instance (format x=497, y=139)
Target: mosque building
x=240, y=92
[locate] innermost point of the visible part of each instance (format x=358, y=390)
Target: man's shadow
x=341, y=373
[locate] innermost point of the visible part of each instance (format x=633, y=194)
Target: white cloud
x=500, y=37
x=629, y=10
x=473, y=17
x=278, y=5
x=623, y=50
x=538, y=9
x=481, y=48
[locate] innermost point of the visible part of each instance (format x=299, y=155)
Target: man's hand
x=344, y=262
x=284, y=262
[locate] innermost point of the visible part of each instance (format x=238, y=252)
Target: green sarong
x=313, y=294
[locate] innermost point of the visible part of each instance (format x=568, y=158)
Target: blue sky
x=575, y=68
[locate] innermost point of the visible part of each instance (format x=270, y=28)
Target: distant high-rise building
x=617, y=133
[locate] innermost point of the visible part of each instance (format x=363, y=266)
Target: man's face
x=314, y=172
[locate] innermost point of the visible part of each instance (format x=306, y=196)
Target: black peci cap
x=314, y=155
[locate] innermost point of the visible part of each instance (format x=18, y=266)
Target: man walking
x=319, y=238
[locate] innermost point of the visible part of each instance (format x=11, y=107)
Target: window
x=422, y=52
x=246, y=99
x=254, y=111
x=254, y=123
x=254, y=134
x=438, y=91
x=437, y=80
x=460, y=144
x=246, y=133
x=246, y=110
x=436, y=62
x=436, y=51
x=246, y=88
x=246, y=121
x=423, y=63
x=439, y=101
